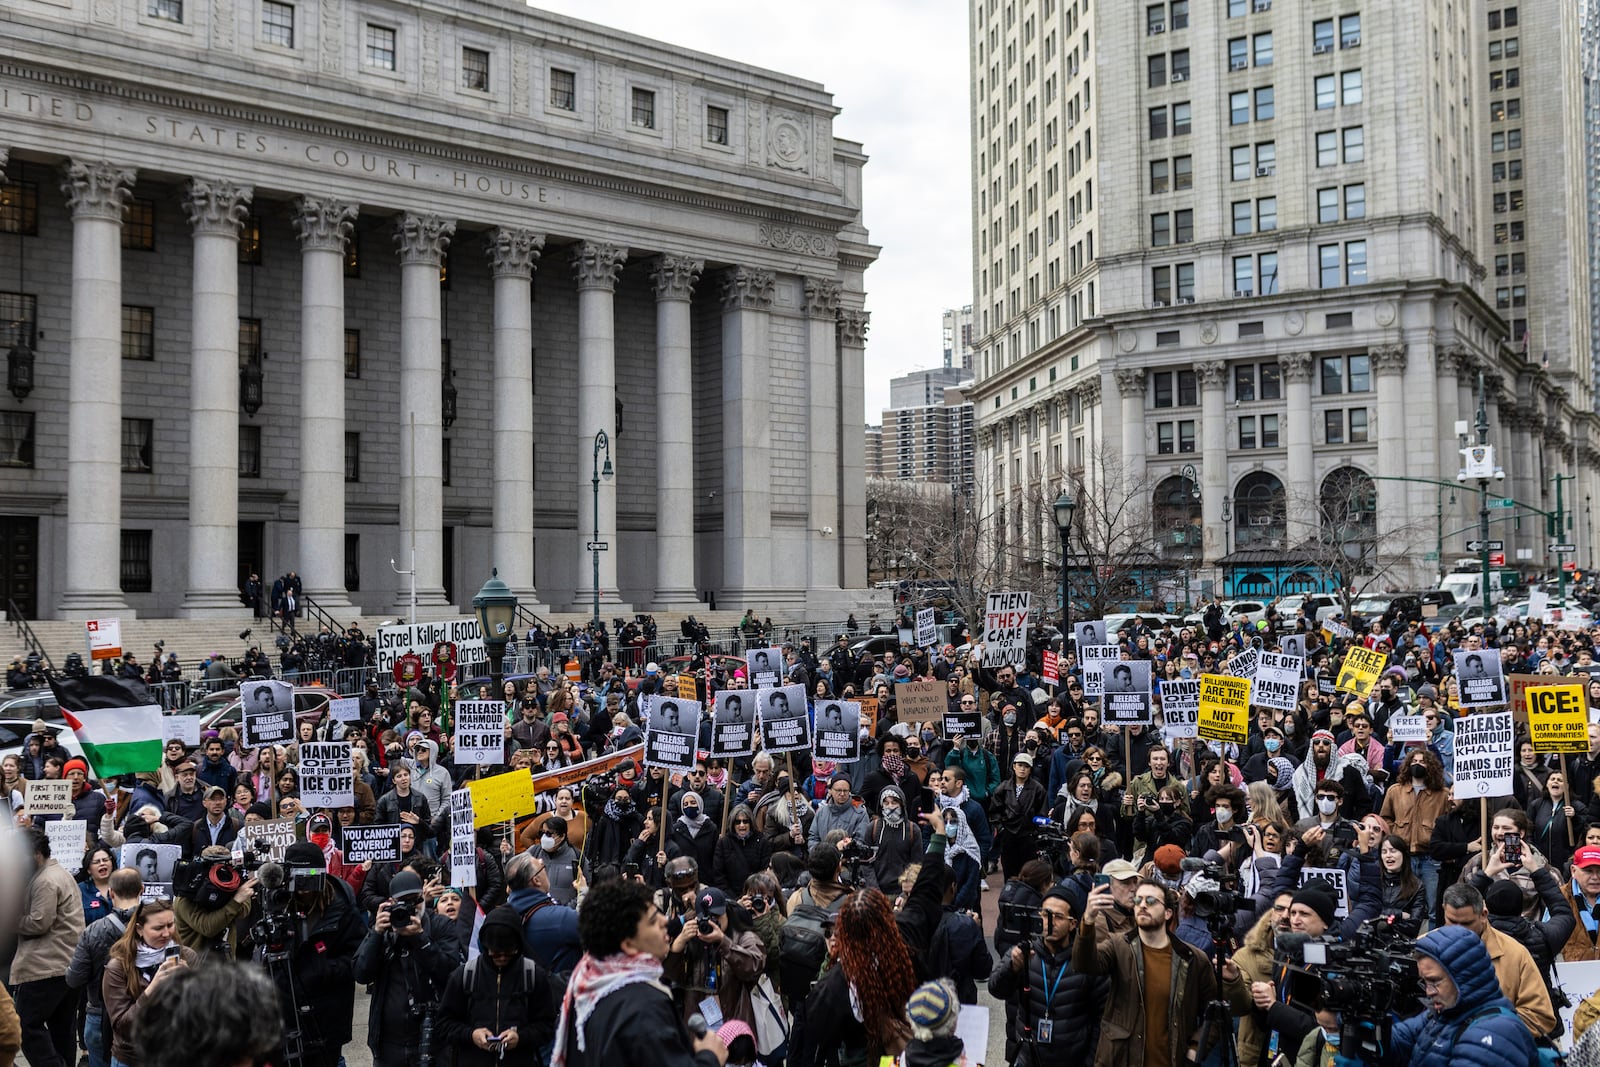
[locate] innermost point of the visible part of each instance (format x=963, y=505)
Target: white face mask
x=547, y=842
x=1327, y=805
x=1224, y=815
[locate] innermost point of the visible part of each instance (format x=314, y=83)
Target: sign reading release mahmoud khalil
x=1478, y=673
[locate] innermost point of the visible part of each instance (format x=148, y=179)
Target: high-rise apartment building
x=957, y=337
x=1243, y=264
x=927, y=431
x=1590, y=22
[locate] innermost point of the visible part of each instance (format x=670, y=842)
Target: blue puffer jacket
x=1482, y=1030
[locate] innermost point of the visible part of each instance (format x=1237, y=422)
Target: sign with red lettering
x=1005, y=629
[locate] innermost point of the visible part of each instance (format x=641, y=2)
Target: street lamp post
x=1192, y=476
x=1064, y=507
x=496, y=609
x=602, y=443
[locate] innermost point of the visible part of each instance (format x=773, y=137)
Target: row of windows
x=138, y=449
x=1262, y=381
x=1501, y=110
x=1510, y=48
x=1506, y=17
x=1339, y=265
x=138, y=571
x=1240, y=51
x=1159, y=18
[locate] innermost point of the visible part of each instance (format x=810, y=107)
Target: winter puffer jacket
x=1481, y=1030
x=1074, y=1011
x=498, y=1001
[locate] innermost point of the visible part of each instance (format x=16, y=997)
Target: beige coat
x=50, y=926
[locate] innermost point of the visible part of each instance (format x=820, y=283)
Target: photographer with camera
x=1053, y=1011
x=1514, y=966
x=406, y=959
x=715, y=960
x=1468, y=1020
x=307, y=937
x=1159, y=984
x=212, y=903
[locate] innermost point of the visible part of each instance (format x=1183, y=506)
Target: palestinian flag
x=116, y=722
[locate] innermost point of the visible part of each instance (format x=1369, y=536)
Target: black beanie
x=1315, y=896
x=1504, y=898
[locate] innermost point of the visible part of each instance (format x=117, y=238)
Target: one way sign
x=1492, y=546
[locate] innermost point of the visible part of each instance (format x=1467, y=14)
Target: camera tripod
x=1216, y=1047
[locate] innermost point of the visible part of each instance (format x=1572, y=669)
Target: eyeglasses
x=1091, y=759
x=1150, y=901
x=1432, y=986
x=968, y=700
x=1322, y=744
x=741, y=822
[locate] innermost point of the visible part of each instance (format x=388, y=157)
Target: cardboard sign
x=1558, y=718
x=419, y=639
x=345, y=709
x=268, y=707
x=1334, y=876
x=69, y=840
x=764, y=667
x=1485, y=755
x=1180, y=707
x=920, y=701
x=1333, y=629
x=1094, y=659
x=927, y=628
x=1125, y=693
x=1052, y=668
x=480, y=732
x=1478, y=676
x=501, y=797
x=185, y=728
x=1276, y=682
x=672, y=733
x=1404, y=729
x=688, y=686
x=1518, y=685
x=379, y=843
x=1360, y=670
x=1224, y=708
x=869, y=714
x=327, y=779
x=1005, y=629
x=781, y=713
x=837, y=735
x=273, y=836
x=49, y=797
x=463, y=845
x=733, y=723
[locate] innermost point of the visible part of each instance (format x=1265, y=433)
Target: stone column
x=852, y=339
x=1445, y=387
x=1213, y=375
x=1388, y=376
x=216, y=209
x=512, y=255
x=746, y=438
x=421, y=241
x=822, y=435
x=323, y=226
x=1295, y=368
x=95, y=192
x=1130, y=384
x=675, y=278
x=1422, y=428
x=597, y=267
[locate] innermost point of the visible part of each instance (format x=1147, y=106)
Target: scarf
x=699, y=820
x=894, y=766
x=615, y=813
x=592, y=980
x=146, y=960
x=957, y=800
x=1587, y=914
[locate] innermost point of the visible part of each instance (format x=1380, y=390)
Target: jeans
x=1427, y=871
x=49, y=1013
x=96, y=1040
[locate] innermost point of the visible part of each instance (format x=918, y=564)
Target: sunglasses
x=1150, y=901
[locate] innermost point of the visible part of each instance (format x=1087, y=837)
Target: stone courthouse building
x=319, y=285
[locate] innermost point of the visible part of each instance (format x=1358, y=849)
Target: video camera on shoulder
x=1367, y=978
x=207, y=882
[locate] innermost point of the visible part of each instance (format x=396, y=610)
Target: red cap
x=1587, y=856
x=1169, y=860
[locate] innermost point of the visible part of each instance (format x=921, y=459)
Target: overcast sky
x=898, y=71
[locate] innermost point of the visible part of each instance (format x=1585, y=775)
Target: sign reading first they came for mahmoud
x=1005, y=629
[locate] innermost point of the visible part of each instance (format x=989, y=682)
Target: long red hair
x=877, y=964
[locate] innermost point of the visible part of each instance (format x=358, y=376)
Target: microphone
x=1043, y=820
x=270, y=875
x=1291, y=942
x=1192, y=863
x=697, y=1025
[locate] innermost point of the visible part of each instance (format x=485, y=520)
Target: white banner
x=1094, y=658
x=345, y=709
x=327, y=778
x=185, y=728
x=68, y=842
x=396, y=641
x=1485, y=755
x=480, y=736
x=1005, y=629
x=1406, y=728
x=463, y=840
x=1276, y=682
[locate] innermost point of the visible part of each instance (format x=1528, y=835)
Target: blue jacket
x=1482, y=1030
x=550, y=932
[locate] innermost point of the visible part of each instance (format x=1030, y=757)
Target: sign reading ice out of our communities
x=419, y=638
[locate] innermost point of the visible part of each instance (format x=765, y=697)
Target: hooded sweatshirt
x=899, y=844
x=432, y=781
x=830, y=816
x=500, y=1000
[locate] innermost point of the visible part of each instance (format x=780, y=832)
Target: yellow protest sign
x=687, y=687
x=1558, y=718
x=869, y=714
x=502, y=797
x=1360, y=670
x=1224, y=708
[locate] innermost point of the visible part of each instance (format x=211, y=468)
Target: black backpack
x=803, y=944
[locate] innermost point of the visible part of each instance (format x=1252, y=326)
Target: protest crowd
x=1272, y=842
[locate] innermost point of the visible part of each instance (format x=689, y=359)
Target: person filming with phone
x=146, y=955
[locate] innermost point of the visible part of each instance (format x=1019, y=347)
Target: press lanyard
x=1050, y=995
